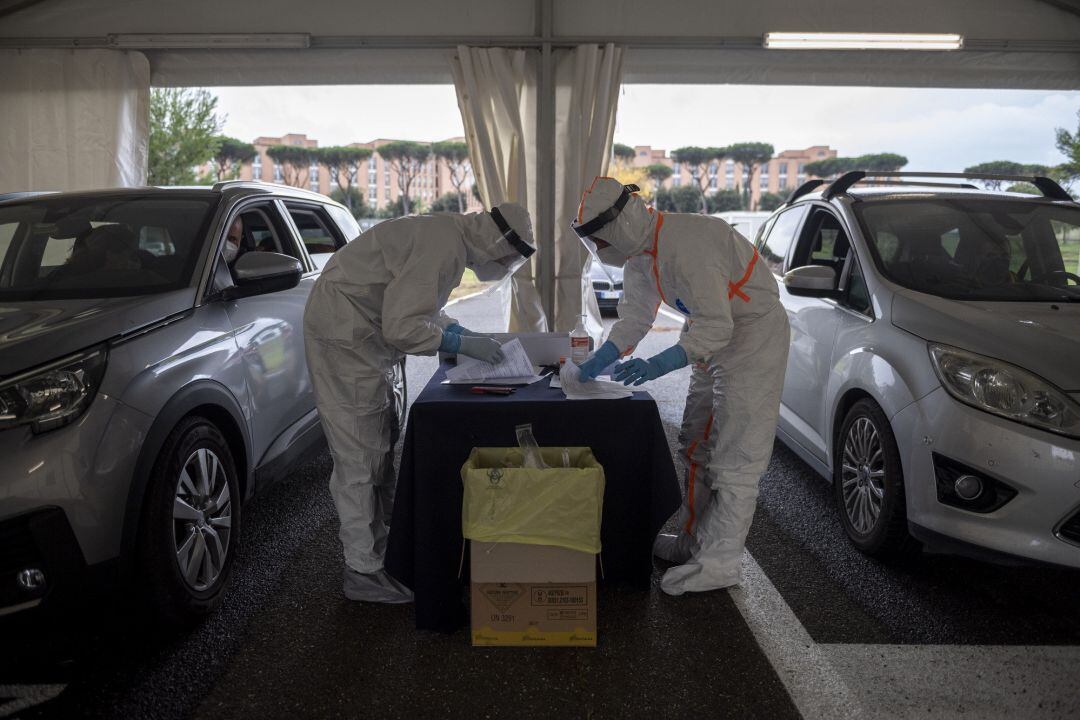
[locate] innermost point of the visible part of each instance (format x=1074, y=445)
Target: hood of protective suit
x=631, y=231
x=486, y=244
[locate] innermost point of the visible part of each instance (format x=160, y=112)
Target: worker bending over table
x=736, y=334
x=378, y=299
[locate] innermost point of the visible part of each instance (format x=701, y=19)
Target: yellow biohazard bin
x=534, y=534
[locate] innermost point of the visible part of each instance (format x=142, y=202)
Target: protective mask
x=490, y=271
x=611, y=255
x=229, y=252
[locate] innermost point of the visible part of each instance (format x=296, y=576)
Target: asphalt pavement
x=818, y=629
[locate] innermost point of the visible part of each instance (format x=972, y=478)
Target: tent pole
x=545, y=164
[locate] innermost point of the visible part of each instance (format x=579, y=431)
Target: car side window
x=777, y=239
x=263, y=231
x=822, y=242
x=345, y=222
x=857, y=296
x=315, y=230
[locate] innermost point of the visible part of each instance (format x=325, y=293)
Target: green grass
x=469, y=285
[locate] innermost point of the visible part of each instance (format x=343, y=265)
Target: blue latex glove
x=638, y=371
x=451, y=341
x=465, y=332
x=600, y=359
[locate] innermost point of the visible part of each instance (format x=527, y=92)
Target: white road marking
x=815, y=688
x=906, y=681
x=470, y=296
x=26, y=696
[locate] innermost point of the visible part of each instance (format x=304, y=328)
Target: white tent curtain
x=587, y=81
x=496, y=95
x=73, y=119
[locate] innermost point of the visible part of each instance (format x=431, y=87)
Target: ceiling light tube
x=862, y=41
x=211, y=41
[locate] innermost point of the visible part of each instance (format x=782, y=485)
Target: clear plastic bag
x=530, y=449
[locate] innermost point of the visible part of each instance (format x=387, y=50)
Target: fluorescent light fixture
x=862, y=41
x=211, y=41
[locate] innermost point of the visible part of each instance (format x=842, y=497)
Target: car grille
x=1070, y=529
x=604, y=285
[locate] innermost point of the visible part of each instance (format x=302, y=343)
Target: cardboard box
x=537, y=595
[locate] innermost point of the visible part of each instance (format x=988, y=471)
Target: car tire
x=190, y=526
x=868, y=484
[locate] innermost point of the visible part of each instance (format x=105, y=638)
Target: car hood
x=1031, y=335
x=40, y=331
x=597, y=273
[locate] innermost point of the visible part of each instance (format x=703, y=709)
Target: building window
x=763, y=173
x=783, y=175
x=313, y=176
x=372, y=193
x=256, y=167
x=801, y=177
x=713, y=183
x=277, y=172
x=372, y=173
x=729, y=174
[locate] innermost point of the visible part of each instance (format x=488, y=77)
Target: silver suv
x=147, y=387
x=934, y=372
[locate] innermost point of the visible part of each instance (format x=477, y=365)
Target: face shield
x=603, y=253
x=518, y=252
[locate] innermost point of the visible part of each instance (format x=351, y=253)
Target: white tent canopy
x=1007, y=44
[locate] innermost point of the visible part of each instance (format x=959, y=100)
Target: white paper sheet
x=516, y=369
x=574, y=389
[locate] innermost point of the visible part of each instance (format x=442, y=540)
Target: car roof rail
x=807, y=187
x=842, y=184
x=219, y=186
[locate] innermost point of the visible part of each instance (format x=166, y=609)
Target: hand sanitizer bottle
x=579, y=342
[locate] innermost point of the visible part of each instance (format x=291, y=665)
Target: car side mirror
x=811, y=281
x=258, y=273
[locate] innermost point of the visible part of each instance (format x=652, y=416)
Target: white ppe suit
x=736, y=336
x=378, y=299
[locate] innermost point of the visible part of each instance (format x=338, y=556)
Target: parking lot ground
x=817, y=630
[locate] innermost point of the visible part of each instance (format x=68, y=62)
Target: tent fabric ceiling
x=1010, y=43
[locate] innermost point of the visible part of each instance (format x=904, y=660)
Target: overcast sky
x=935, y=129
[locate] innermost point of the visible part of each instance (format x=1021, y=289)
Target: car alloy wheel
x=202, y=519
x=863, y=475
x=868, y=483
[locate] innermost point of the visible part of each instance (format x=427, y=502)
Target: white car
x=607, y=284
x=934, y=371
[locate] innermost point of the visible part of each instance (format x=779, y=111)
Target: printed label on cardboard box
x=560, y=595
x=502, y=596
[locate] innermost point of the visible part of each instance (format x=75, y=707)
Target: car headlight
x=1006, y=390
x=54, y=395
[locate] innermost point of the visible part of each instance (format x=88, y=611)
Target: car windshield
x=57, y=246
x=977, y=249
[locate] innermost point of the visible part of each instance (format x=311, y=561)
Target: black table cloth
x=424, y=550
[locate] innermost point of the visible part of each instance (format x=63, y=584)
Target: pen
x=492, y=390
